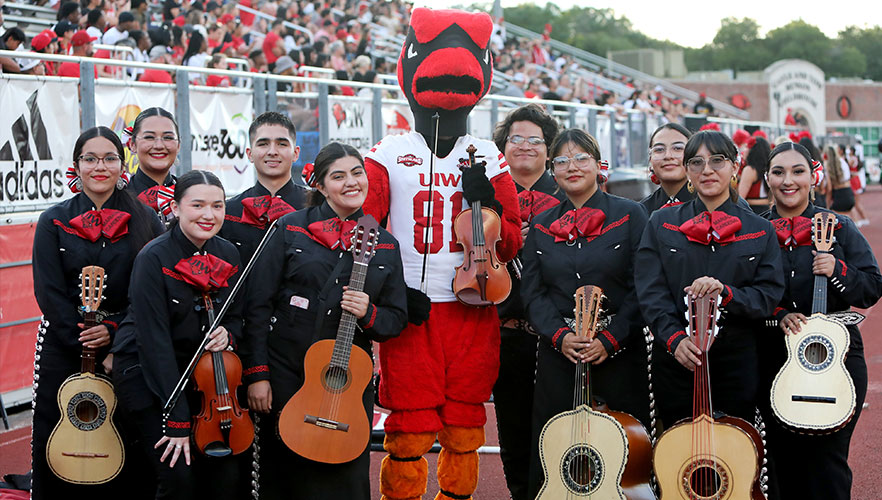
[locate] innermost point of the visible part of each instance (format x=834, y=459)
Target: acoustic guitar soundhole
x=86, y=411
x=582, y=469
x=335, y=378
x=816, y=353
x=705, y=480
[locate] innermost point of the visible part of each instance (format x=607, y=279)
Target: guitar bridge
x=326, y=423
x=813, y=399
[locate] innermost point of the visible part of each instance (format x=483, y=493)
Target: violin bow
x=424, y=287
x=182, y=382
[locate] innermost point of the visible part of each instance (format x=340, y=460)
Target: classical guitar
x=708, y=456
x=813, y=392
x=325, y=420
x=590, y=451
x=84, y=447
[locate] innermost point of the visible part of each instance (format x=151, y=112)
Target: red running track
x=866, y=448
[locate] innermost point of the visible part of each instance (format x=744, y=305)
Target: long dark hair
x=193, y=47
x=717, y=143
x=324, y=159
x=140, y=225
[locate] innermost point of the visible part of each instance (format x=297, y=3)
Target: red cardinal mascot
x=437, y=375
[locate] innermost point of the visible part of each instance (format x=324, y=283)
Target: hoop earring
x=812, y=196
x=689, y=186
x=734, y=182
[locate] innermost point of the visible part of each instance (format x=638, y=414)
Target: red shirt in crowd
x=218, y=81
x=72, y=69
x=156, y=76
x=269, y=42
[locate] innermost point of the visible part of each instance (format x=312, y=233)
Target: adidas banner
x=219, y=124
x=41, y=123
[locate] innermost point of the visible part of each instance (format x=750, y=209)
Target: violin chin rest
x=472, y=297
x=217, y=449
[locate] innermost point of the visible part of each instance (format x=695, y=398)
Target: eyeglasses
x=696, y=163
x=165, y=138
x=533, y=140
x=659, y=150
x=581, y=160
x=110, y=160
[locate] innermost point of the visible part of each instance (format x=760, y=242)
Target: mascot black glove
x=477, y=187
x=418, y=306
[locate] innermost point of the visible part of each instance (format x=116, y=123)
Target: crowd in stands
x=284, y=36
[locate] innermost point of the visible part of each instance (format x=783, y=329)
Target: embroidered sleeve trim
x=177, y=425
x=385, y=246
x=255, y=369
x=727, y=297
x=844, y=267
x=612, y=340
x=372, y=315
x=616, y=224
x=111, y=323
x=558, y=336
x=674, y=337
x=302, y=230
x=544, y=229
x=750, y=236
x=672, y=227
x=232, y=218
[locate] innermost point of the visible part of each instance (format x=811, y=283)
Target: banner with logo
x=350, y=122
x=219, y=124
x=118, y=107
x=397, y=119
x=39, y=127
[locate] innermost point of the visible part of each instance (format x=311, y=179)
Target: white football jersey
x=406, y=158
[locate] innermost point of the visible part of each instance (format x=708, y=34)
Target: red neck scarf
x=706, y=227
x=158, y=198
x=534, y=202
x=205, y=272
x=258, y=210
x=580, y=223
x=113, y=224
x=333, y=233
x=793, y=232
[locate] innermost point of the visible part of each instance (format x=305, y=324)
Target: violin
x=222, y=427
x=481, y=280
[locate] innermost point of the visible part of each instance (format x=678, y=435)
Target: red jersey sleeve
x=377, y=202
x=507, y=195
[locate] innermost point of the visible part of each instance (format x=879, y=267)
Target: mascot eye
x=487, y=56
x=411, y=52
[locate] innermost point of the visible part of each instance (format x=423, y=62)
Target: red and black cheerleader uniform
x=739, y=249
x=155, y=196
x=816, y=466
x=166, y=323
x=660, y=199
x=70, y=236
x=513, y=392
x=249, y=213
x=296, y=291
x=565, y=249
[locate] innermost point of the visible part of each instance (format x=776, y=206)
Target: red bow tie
x=158, y=198
x=258, y=210
x=706, y=227
x=793, y=232
x=113, y=224
x=583, y=223
x=205, y=272
x=333, y=233
x=534, y=202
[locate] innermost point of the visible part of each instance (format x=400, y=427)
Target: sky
x=681, y=22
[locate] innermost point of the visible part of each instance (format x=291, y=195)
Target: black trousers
x=620, y=381
x=205, y=477
x=513, y=399
x=55, y=367
x=734, y=378
x=809, y=467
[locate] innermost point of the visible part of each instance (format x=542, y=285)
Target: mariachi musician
x=154, y=139
x=810, y=466
x=102, y=225
x=709, y=244
x=666, y=147
x=589, y=239
x=523, y=137
x=176, y=278
x=300, y=294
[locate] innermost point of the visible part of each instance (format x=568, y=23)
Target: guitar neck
x=346, y=330
x=477, y=224
x=701, y=402
x=582, y=391
x=87, y=358
x=819, y=296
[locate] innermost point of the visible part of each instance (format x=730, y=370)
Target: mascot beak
x=449, y=78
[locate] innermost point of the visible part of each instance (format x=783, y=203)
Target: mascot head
x=445, y=67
